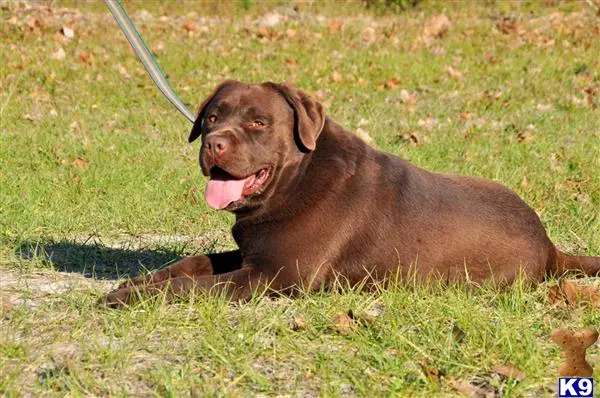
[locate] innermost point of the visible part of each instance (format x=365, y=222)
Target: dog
x=314, y=203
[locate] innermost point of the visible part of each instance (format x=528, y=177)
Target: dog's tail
x=588, y=265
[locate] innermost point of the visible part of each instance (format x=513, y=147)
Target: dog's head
x=250, y=133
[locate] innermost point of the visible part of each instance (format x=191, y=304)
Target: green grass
x=519, y=115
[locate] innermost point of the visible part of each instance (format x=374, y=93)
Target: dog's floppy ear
x=309, y=116
x=197, y=129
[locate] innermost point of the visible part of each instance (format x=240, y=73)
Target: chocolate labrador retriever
x=314, y=203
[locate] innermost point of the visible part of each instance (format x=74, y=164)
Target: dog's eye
x=212, y=118
x=257, y=124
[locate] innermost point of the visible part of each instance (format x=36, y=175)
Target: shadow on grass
x=96, y=260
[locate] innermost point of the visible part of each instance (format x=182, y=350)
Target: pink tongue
x=220, y=193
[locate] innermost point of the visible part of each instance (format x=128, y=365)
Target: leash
x=147, y=59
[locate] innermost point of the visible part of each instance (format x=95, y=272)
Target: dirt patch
x=29, y=288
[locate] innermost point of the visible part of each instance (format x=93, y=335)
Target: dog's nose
x=218, y=145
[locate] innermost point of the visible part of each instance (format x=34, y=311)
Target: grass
x=95, y=166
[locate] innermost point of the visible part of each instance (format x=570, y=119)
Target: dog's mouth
x=223, y=189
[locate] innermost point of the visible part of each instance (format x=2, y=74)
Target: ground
x=98, y=183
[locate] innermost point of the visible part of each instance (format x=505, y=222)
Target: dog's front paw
x=118, y=298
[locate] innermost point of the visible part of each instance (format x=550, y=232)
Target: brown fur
x=333, y=206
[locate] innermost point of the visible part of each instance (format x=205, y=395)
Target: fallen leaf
x=369, y=35
x=290, y=62
x=363, y=135
x=143, y=15
x=392, y=82
x=35, y=24
x=190, y=26
x=410, y=138
x=454, y=73
x=590, y=95
x=492, y=59
x=433, y=374
x=59, y=54
x=335, y=25
x=123, y=72
x=556, y=296
x=371, y=313
x=372, y=373
x=407, y=98
x=428, y=123
x=568, y=293
x=271, y=19
x=39, y=94
x=264, y=32
x=510, y=371
x=581, y=197
x=437, y=27
x=555, y=164
x=31, y=118
x=524, y=136
x=67, y=32
x=298, y=323
x=466, y=387
x=576, y=293
x=158, y=47
x=290, y=33
x=80, y=163
x=343, y=323
x=336, y=77
x=374, y=310
x=507, y=25
x=492, y=95
x=86, y=57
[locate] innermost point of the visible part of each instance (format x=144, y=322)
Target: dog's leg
x=191, y=267
x=236, y=285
